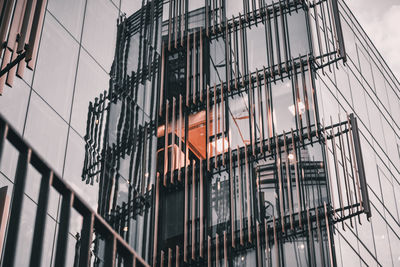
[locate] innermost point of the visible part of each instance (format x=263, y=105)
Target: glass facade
x=216, y=132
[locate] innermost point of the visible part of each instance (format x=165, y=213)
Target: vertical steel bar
x=40, y=220
x=16, y=208
x=166, y=143
x=187, y=68
x=248, y=200
x=173, y=129
x=193, y=210
x=296, y=175
x=86, y=240
x=194, y=67
x=156, y=211
x=201, y=209
x=240, y=202
x=288, y=183
x=62, y=238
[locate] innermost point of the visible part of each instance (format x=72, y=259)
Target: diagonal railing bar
x=94, y=225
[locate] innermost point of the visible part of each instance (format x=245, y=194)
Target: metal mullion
x=258, y=244
x=214, y=15
x=169, y=25
x=216, y=250
x=24, y=159
x=232, y=191
x=110, y=251
x=176, y=22
x=288, y=179
x=227, y=59
x=296, y=175
x=235, y=51
x=208, y=133
x=86, y=240
x=166, y=143
x=347, y=131
x=319, y=236
x=269, y=111
x=177, y=256
x=284, y=34
x=209, y=255
x=225, y=250
x=182, y=23
x=156, y=215
x=310, y=239
x=201, y=209
x=248, y=202
x=337, y=174
x=222, y=108
x=194, y=64
x=169, y=257
x=305, y=96
x=207, y=18
x=329, y=235
x=162, y=258
x=278, y=45
x=327, y=46
x=329, y=170
x=241, y=50
x=173, y=127
x=220, y=16
x=329, y=10
x=276, y=243
x=40, y=220
x=313, y=97
x=278, y=167
x=215, y=124
x=240, y=197
x=354, y=161
x=252, y=115
x=260, y=113
x=180, y=130
x=187, y=68
x=360, y=166
x=186, y=207
x=297, y=101
x=345, y=172
x=318, y=30
x=267, y=249
x=201, y=58
x=193, y=209
x=62, y=237
x=162, y=78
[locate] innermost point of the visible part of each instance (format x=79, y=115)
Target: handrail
x=92, y=222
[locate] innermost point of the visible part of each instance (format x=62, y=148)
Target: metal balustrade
x=93, y=226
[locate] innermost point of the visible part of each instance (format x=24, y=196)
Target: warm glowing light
x=290, y=156
x=220, y=147
x=242, y=258
x=301, y=107
x=125, y=229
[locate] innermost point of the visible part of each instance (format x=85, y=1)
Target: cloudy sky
x=381, y=21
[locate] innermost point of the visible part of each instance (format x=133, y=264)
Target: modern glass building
x=205, y=133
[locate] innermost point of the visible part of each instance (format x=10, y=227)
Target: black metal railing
x=93, y=226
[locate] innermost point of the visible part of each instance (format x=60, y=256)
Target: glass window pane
x=46, y=132
x=56, y=67
x=69, y=14
x=100, y=30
